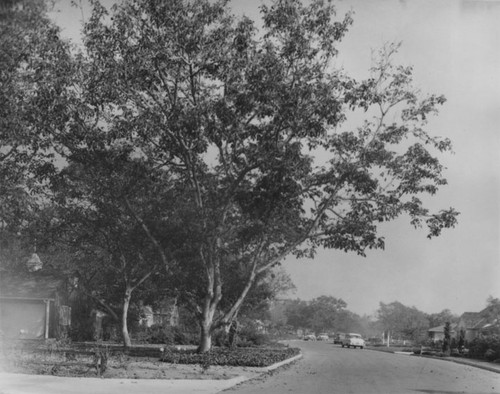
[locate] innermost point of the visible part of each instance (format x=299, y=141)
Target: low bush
x=155, y=334
x=456, y=353
x=433, y=353
x=485, y=348
x=220, y=338
x=249, y=336
x=490, y=355
x=238, y=357
x=167, y=335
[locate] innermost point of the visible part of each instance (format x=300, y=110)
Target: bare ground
x=122, y=366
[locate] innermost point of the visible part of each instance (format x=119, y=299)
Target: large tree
x=402, y=322
x=326, y=311
x=247, y=127
x=322, y=314
x=103, y=212
x=298, y=314
x=439, y=319
x=29, y=44
x=239, y=117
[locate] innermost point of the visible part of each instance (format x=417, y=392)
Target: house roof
x=472, y=320
x=41, y=284
x=491, y=312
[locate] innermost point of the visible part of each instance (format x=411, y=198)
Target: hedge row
x=237, y=357
x=487, y=348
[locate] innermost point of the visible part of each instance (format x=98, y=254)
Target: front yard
x=139, y=362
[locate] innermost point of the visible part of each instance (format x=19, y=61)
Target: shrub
x=455, y=353
x=436, y=345
x=485, y=347
x=155, y=334
x=168, y=335
x=249, y=336
x=491, y=355
x=184, y=336
x=220, y=338
x=243, y=357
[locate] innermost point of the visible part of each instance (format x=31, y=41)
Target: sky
x=454, y=47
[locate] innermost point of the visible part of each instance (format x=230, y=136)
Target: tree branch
x=151, y=237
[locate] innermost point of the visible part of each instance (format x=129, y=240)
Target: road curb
x=462, y=362
x=281, y=363
x=242, y=378
x=486, y=367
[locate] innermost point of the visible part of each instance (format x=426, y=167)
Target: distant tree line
x=330, y=315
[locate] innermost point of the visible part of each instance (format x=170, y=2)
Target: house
x=34, y=302
x=477, y=324
x=437, y=333
x=470, y=324
x=165, y=314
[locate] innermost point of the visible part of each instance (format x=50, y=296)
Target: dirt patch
x=68, y=362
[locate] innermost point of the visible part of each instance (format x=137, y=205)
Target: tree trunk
x=207, y=321
x=205, y=339
x=126, y=302
x=233, y=333
x=235, y=309
x=211, y=302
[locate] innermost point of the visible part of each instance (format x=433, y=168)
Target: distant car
x=338, y=338
x=323, y=337
x=353, y=340
x=309, y=337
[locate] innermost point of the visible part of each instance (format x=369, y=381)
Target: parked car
x=354, y=340
x=323, y=337
x=309, y=337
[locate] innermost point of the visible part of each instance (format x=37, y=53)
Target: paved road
x=327, y=368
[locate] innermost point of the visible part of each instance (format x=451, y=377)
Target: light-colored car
x=310, y=337
x=323, y=337
x=353, y=340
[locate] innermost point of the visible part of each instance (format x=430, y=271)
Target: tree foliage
x=103, y=213
x=237, y=118
x=403, y=321
x=439, y=319
x=241, y=136
x=32, y=53
x=324, y=313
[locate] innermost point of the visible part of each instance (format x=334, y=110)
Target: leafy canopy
x=233, y=121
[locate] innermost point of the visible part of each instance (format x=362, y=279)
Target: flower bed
x=237, y=357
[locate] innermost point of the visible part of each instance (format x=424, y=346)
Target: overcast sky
x=454, y=46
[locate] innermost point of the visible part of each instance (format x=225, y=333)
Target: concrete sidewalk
x=43, y=384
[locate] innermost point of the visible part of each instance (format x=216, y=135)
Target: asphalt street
x=324, y=368
x=327, y=368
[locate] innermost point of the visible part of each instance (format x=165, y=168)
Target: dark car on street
x=338, y=338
